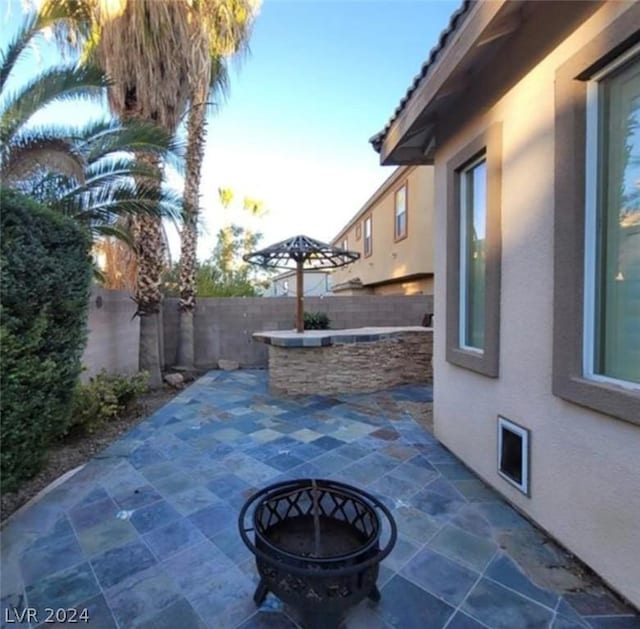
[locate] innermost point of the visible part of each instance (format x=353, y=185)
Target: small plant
x=316, y=321
x=104, y=397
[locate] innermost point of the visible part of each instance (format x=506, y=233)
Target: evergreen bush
x=316, y=321
x=45, y=277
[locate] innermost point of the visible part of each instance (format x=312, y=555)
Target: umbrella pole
x=299, y=298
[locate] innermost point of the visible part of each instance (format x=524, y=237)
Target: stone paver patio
x=145, y=535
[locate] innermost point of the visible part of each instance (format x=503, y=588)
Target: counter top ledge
x=323, y=338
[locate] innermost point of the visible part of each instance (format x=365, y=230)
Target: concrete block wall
x=224, y=326
x=114, y=335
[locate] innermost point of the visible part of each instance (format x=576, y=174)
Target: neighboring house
x=530, y=112
x=392, y=233
x=315, y=283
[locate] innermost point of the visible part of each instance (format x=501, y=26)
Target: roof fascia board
x=466, y=37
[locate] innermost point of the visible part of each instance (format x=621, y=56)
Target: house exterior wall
x=393, y=259
x=314, y=284
x=584, y=465
x=423, y=286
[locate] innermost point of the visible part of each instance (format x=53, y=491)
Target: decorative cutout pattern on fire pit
x=317, y=545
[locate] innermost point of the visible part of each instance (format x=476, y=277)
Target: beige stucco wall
x=390, y=259
x=585, y=467
x=423, y=286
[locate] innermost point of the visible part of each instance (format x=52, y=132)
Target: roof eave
x=464, y=31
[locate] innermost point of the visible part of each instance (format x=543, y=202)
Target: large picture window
x=474, y=251
x=473, y=224
x=612, y=260
x=596, y=337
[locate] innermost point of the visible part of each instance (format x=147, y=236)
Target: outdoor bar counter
x=327, y=362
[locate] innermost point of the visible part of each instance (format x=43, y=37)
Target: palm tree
x=158, y=55
x=26, y=149
x=144, y=47
x=89, y=174
x=114, y=186
x=221, y=28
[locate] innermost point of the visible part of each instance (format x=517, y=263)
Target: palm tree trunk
x=196, y=135
x=150, y=247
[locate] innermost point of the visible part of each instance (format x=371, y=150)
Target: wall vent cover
x=513, y=454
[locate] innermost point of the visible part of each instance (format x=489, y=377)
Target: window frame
x=368, y=219
x=592, y=195
x=485, y=361
x=396, y=236
x=570, y=381
x=464, y=276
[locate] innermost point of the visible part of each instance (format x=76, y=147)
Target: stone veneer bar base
x=347, y=361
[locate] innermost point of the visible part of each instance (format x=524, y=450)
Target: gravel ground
x=77, y=449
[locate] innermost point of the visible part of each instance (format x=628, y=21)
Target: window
x=473, y=223
x=513, y=454
x=401, y=213
x=358, y=231
x=473, y=254
x=285, y=287
x=368, y=243
x=612, y=246
x=596, y=330
x=345, y=244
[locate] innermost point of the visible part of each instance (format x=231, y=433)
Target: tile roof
x=457, y=18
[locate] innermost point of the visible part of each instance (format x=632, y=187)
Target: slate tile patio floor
x=145, y=534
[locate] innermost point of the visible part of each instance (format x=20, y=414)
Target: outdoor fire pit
x=317, y=545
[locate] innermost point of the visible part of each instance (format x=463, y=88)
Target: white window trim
x=523, y=433
x=591, y=214
x=462, y=319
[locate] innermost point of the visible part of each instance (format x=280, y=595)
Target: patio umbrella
x=305, y=252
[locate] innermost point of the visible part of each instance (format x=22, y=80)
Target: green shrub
x=45, y=275
x=104, y=397
x=316, y=321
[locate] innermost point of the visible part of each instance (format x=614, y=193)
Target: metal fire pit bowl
x=317, y=546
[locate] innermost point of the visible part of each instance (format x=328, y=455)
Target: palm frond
x=72, y=21
x=31, y=152
x=54, y=85
x=17, y=45
x=117, y=231
x=101, y=139
x=104, y=204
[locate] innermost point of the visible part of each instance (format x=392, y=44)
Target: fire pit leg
x=260, y=593
x=374, y=595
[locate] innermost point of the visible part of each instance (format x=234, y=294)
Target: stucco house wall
x=403, y=266
x=585, y=466
x=315, y=283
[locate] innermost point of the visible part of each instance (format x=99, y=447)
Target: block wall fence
x=224, y=326
x=114, y=334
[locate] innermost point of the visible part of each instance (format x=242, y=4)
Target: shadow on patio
x=146, y=534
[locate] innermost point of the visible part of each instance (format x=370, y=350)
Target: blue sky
x=323, y=76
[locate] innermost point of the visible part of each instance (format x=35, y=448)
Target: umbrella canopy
x=305, y=252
